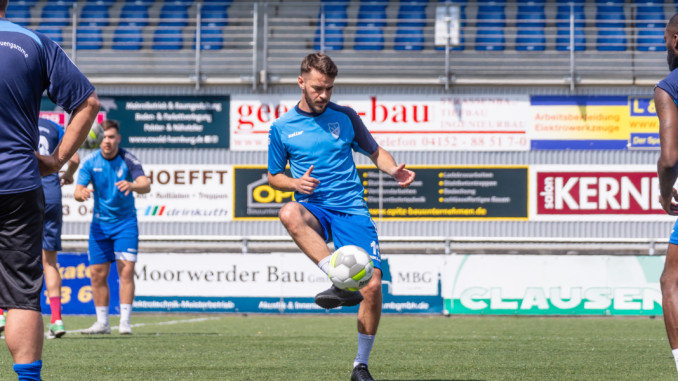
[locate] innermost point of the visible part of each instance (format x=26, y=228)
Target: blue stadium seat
x=611, y=40
x=409, y=39
x=373, y=5
x=55, y=14
x=94, y=15
x=222, y=2
x=531, y=21
x=214, y=15
x=89, y=38
x=610, y=2
x=650, y=40
x=185, y=3
x=530, y=40
x=30, y=3
x=335, y=15
x=211, y=38
x=369, y=38
x=650, y=16
x=491, y=16
x=371, y=16
x=610, y=16
x=412, y=16
x=134, y=15
x=334, y=39
x=563, y=39
x=490, y=39
x=19, y=13
x=128, y=38
x=140, y=2
x=173, y=15
x=168, y=38
x=563, y=16
x=54, y=34
x=101, y=2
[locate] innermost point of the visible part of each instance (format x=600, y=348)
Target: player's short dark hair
x=320, y=62
x=109, y=123
x=3, y=5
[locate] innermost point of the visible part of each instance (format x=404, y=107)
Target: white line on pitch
x=171, y=322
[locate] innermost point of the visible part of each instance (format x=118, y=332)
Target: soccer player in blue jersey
x=31, y=63
x=317, y=138
x=50, y=136
x=114, y=234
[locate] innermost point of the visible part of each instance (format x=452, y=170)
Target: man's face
x=671, y=53
x=109, y=145
x=317, y=90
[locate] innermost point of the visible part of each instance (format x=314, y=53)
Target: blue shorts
x=110, y=241
x=51, y=232
x=348, y=229
x=674, y=234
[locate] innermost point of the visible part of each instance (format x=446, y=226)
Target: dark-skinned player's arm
x=667, y=112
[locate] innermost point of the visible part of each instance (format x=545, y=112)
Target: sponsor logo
x=294, y=134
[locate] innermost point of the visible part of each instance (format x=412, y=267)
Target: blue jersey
x=110, y=204
x=325, y=141
x=50, y=136
x=670, y=85
x=30, y=63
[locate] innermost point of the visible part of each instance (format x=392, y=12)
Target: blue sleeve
x=670, y=84
x=277, y=154
x=363, y=141
x=133, y=164
x=85, y=173
x=67, y=86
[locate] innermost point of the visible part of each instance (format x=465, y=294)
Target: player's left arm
x=387, y=164
x=140, y=185
x=73, y=164
x=667, y=112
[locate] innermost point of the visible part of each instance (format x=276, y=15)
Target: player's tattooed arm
x=667, y=112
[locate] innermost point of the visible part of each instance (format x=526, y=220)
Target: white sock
x=364, y=348
x=324, y=264
x=125, y=312
x=675, y=356
x=102, y=314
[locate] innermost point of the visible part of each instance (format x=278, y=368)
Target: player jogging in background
x=114, y=234
x=317, y=138
x=31, y=63
x=666, y=102
x=50, y=136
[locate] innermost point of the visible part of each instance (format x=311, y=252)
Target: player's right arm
x=277, y=161
x=82, y=193
x=667, y=112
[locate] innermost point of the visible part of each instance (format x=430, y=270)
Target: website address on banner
x=429, y=212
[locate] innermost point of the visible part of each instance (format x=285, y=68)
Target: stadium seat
x=211, y=38
x=650, y=16
x=334, y=39
x=650, y=40
x=222, y=2
x=491, y=16
x=214, y=15
x=134, y=15
x=609, y=40
x=128, y=38
x=563, y=39
x=186, y=3
x=101, y=2
x=140, y=2
x=30, y=3
x=369, y=38
x=54, y=34
x=94, y=15
x=610, y=17
x=563, y=16
x=409, y=39
x=490, y=39
x=168, y=38
x=412, y=16
x=89, y=38
x=610, y=2
x=335, y=15
x=531, y=21
x=371, y=16
x=56, y=15
x=174, y=15
x=19, y=13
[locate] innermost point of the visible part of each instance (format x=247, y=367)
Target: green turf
x=230, y=347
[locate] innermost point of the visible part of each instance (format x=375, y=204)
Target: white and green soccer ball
x=351, y=268
x=94, y=137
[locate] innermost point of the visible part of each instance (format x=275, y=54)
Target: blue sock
x=28, y=372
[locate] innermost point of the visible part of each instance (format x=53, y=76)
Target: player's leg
x=126, y=246
x=21, y=278
x=51, y=243
x=669, y=286
x=101, y=254
x=360, y=230
x=306, y=229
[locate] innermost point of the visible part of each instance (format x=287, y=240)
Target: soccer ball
x=350, y=268
x=94, y=137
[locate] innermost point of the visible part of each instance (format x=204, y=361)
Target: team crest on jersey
x=335, y=129
x=119, y=172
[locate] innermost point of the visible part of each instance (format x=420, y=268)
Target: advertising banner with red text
x=401, y=122
x=595, y=193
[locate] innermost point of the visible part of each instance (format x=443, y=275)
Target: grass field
x=233, y=347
